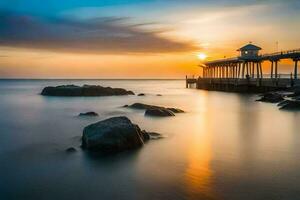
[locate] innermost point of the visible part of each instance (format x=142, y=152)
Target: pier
x=244, y=73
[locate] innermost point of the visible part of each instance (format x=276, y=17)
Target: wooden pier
x=245, y=74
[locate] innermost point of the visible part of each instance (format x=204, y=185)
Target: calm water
x=226, y=146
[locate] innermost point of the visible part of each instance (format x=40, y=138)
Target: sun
x=202, y=56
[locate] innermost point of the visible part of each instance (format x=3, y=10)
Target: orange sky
x=159, y=45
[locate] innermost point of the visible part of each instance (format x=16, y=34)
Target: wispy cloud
x=101, y=35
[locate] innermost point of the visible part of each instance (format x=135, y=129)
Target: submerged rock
x=271, y=97
x=152, y=110
x=176, y=110
x=71, y=150
x=85, y=90
x=113, y=135
x=159, y=112
x=91, y=114
x=142, y=106
x=290, y=105
x=154, y=135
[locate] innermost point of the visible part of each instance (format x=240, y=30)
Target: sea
x=225, y=145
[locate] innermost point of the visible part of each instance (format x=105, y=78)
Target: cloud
x=101, y=35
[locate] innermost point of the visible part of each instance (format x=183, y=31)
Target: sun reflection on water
x=198, y=174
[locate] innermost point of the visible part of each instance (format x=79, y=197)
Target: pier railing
x=279, y=53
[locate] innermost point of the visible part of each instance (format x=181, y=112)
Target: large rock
x=271, y=97
x=86, y=90
x=113, y=135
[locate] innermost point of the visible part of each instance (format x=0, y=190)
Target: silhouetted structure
x=244, y=73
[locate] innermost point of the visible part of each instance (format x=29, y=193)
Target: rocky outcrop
x=85, y=90
x=113, y=135
x=158, y=111
x=271, y=97
x=89, y=114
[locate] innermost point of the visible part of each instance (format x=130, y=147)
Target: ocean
x=225, y=146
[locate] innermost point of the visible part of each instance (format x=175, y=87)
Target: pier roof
x=249, y=47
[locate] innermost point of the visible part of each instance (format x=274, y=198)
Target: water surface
x=226, y=145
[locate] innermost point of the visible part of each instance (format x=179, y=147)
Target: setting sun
x=202, y=56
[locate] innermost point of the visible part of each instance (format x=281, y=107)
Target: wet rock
x=113, y=135
x=154, y=135
x=176, y=110
x=85, y=90
x=142, y=106
x=147, y=106
x=291, y=105
x=141, y=94
x=159, y=112
x=271, y=97
x=90, y=114
x=71, y=150
x=282, y=103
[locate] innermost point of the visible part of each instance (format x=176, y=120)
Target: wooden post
x=239, y=70
x=296, y=69
x=253, y=69
x=227, y=71
x=186, y=82
x=250, y=69
x=247, y=68
x=234, y=70
x=243, y=70
x=272, y=69
x=261, y=72
x=276, y=69
x=257, y=71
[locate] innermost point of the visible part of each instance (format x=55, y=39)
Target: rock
x=294, y=94
x=175, y=110
x=271, y=97
x=154, y=135
x=141, y=94
x=146, y=135
x=159, y=112
x=113, y=135
x=146, y=106
x=85, y=90
x=91, y=114
x=282, y=103
x=290, y=105
x=142, y=106
x=152, y=110
x=71, y=150
x=159, y=95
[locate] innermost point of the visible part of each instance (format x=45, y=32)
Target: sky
x=137, y=38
